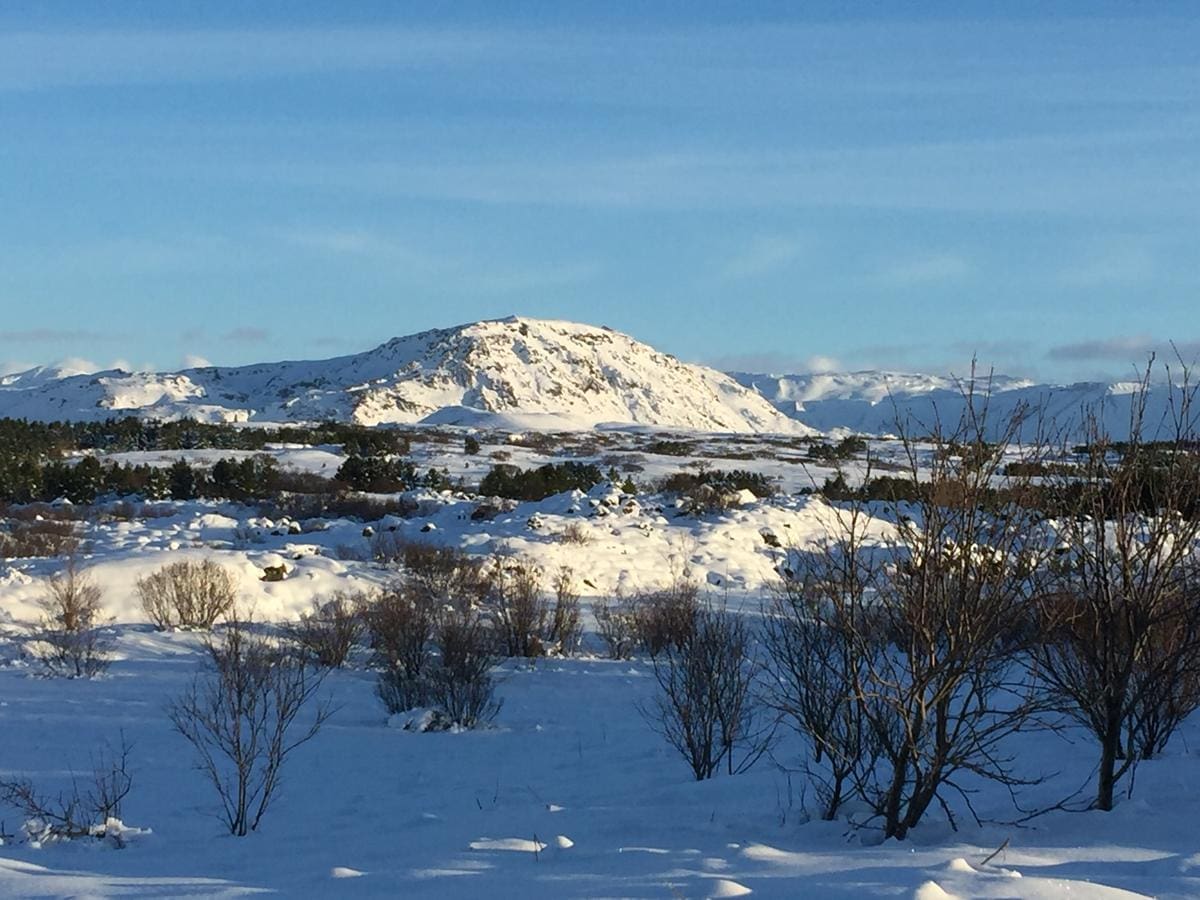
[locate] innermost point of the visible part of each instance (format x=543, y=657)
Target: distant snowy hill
x=874, y=402
x=516, y=372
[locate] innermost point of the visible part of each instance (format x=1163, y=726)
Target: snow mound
x=931, y=890
x=509, y=845
x=723, y=887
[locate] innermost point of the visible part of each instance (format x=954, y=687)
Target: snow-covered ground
x=570, y=769
x=571, y=794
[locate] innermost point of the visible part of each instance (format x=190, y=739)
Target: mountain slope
x=517, y=372
x=875, y=402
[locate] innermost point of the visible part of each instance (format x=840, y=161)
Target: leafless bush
x=575, y=533
x=242, y=717
x=705, y=707
x=401, y=621
x=38, y=538
x=460, y=681
x=188, y=594
x=79, y=812
x=616, y=623
x=444, y=576
x=1120, y=607
x=819, y=640
x=941, y=670
x=667, y=616
x=330, y=630
x=433, y=637
x=71, y=642
x=519, y=607
x=566, y=619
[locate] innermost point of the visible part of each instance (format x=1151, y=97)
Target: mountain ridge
x=520, y=373
x=514, y=372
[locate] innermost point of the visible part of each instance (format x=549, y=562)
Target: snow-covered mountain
x=514, y=372
x=875, y=402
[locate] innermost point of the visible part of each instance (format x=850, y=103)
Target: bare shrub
x=460, y=681
x=38, y=538
x=566, y=619
x=188, y=594
x=331, y=630
x=79, y=812
x=667, y=616
x=401, y=622
x=819, y=639
x=617, y=625
x=575, y=533
x=941, y=673
x=519, y=607
x=1119, y=610
x=242, y=717
x=444, y=575
x=433, y=637
x=71, y=642
x=705, y=707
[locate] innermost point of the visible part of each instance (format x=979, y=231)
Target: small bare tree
x=1120, y=607
x=242, y=717
x=71, y=642
x=188, y=594
x=948, y=690
x=705, y=707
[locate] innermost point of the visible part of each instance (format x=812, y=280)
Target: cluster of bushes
x=536, y=484
x=258, y=477
x=48, y=440
x=377, y=474
x=648, y=621
x=847, y=448
x=712, y=490
x=24, y=539
x=670, y=448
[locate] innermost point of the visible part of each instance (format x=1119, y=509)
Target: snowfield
x=570, y=771
x=571, y=793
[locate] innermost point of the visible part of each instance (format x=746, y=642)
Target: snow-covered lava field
x=569, y=792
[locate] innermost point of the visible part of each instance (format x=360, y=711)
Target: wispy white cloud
x=766, y=254
x=193, y=361
x=1134, y=349
x=775, y=363
x=933, y=269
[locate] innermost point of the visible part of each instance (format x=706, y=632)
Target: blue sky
x=762, y=186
